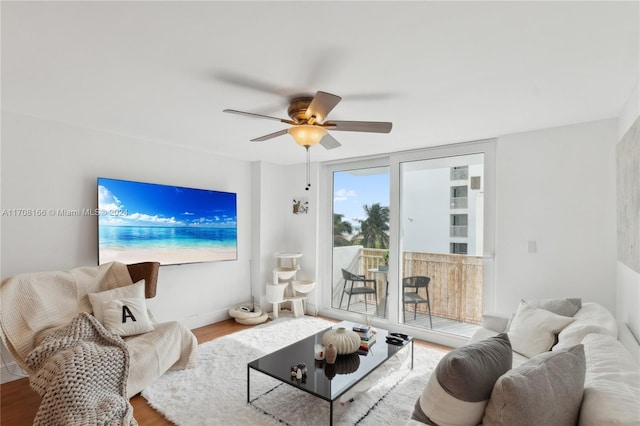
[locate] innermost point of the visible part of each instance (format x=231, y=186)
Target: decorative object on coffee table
x=330, y=354
x=318, y=352
x=345, y=341
x=340, y=364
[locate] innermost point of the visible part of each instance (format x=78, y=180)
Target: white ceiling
x=442, y=72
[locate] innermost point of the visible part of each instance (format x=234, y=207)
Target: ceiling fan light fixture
x=307, y=135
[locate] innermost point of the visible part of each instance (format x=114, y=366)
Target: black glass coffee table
x=334, y=380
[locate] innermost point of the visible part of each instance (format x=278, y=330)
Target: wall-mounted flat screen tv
x=139, y=222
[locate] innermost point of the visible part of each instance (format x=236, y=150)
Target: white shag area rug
x=215, y=392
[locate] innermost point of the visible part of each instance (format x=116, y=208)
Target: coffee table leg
x=412, y=354
x=331, y=413
x=248, y=385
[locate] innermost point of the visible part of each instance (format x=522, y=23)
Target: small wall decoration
x=300, y=206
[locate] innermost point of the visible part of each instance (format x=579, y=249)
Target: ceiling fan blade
x=329, y=142
x=270, y=136
x=360, y=126
x=321, y=105
x=251, y=114
x=248, y=82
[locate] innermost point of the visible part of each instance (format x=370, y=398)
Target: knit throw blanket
x=80, y=371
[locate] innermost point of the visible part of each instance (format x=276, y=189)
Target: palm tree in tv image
x=374, y=230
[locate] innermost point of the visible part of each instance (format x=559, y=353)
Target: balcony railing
x=459, y=202
x=455, y=290
x=458, y=231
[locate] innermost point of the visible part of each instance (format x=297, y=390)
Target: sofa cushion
x=97, y=299
x=458, y=389
x=127, y=316
x=564, y=307
x=546, y=390
x=534, y=330
x=612, y=383
x=170, y=346
x=591, y=318
x=495, y=321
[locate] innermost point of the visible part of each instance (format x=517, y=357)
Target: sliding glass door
x=441, y=244
x=360, y=239
x=412, y=237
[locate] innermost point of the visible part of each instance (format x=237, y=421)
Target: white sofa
x=552, y=362
x=612, y=377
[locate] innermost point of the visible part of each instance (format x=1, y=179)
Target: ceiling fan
x=308, y=121
x=309, y=126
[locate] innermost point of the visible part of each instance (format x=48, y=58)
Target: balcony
x=455, y=290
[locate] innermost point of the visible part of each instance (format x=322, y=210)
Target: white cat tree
x=285, y=287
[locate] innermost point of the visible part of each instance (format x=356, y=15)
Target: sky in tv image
x=170, y=224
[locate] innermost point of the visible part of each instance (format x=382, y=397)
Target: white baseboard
x=201, y=320
x=208, y=318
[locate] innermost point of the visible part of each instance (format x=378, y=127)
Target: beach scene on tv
x=141, y=222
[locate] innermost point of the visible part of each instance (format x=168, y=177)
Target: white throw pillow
x=97, y=299
x=534, y=330
x=127, y=316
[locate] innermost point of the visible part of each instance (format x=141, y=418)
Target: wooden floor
x=19, y=404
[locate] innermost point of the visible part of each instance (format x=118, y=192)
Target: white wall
x=630, y=112
x=277, y=229
x=52, y=165
x=302, y=229
x=556, y=187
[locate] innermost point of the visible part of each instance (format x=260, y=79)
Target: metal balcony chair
x=361, y=288
x=410, y=288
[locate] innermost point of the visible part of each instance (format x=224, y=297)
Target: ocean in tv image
x=141, y=222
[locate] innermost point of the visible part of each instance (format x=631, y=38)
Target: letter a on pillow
x=126, y=313
x=126, y=317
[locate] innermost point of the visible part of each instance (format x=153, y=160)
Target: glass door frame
x=325, y=227
x=394, y=308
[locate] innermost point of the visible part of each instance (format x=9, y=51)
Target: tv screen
x=140, y=222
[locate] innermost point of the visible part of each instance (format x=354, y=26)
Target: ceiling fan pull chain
x=308, y=172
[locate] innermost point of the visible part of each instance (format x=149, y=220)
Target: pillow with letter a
x=126, y=317
x=97, y=299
